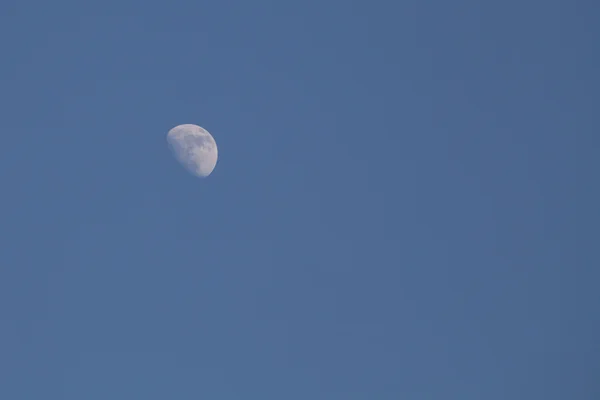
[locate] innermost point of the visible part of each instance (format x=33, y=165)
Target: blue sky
x=405, y=204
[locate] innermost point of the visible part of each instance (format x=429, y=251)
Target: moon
x=194, y=148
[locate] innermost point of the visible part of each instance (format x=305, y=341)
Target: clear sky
x=405, y=205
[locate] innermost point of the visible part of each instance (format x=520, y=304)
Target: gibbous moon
x=194, y=148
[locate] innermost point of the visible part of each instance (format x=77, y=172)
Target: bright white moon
x=194, y=148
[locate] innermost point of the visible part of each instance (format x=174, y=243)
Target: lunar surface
x=194, y=148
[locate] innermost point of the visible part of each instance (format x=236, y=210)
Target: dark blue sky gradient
x=405, y=204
